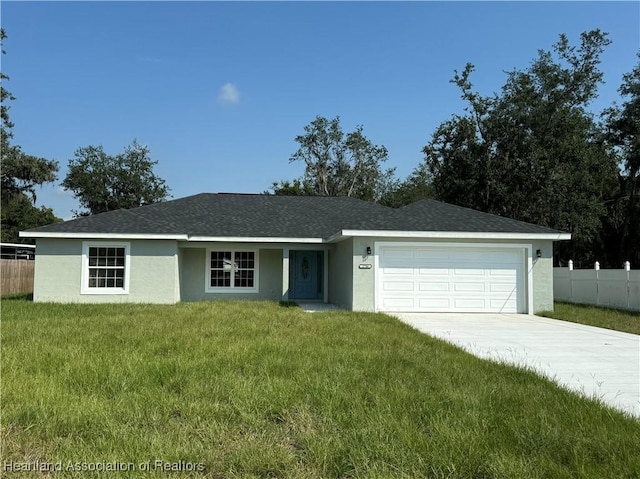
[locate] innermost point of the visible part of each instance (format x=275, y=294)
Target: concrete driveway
x=593, y=361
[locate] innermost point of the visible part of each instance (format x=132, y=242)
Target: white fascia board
x=251, y=239
x=450, y=235
x=181, y=237
x=19, y=245
x=120, y=236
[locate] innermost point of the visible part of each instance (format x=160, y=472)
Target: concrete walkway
x=593, y=361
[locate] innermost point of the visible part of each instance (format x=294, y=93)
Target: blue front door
x=305, y=274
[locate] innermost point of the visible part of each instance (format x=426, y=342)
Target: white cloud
x=229, y=94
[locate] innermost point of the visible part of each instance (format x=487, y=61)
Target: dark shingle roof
x=245, y=215
x=438, y=216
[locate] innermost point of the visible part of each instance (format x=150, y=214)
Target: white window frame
x=231, y=289
x=85, y=289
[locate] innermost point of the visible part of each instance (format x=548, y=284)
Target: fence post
x=570, y=281
x=627, y=268
x=596, y=266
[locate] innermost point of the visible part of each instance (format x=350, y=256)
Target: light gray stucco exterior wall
x=543, y=276
x=153, y=275
x=364, y=279
x=161, y=271
x=193, y=275
x=341, y=274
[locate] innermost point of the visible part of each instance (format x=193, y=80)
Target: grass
x=618, y=319
x=262, y=390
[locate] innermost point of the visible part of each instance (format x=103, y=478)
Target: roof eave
x=484, y=235
x=179, y=237
x=339, y=236
x=252, y=239
x=79, y=235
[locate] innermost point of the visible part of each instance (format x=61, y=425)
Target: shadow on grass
x=288, y=304
x=18, y=297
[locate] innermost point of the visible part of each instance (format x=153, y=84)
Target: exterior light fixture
x=539, y=253
x=368, y=250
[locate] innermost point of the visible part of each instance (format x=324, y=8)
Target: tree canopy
x=20, y=175
x=531, y=152
x=621, y=236
x=103, y=182
x=338, y=164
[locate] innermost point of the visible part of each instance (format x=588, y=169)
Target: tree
x=337, y=164
x=19, y=213
x=531, y=152
x=296, y=187
x=21, y=173
x=103, y=182
x=622, y=134
x=418, y=186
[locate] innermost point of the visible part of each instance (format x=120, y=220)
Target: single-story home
x=427, y=256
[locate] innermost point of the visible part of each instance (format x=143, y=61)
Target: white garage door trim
x=525, y=249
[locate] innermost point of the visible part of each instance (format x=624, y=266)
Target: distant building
x=17, y=251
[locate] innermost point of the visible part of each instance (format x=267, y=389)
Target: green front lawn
x=626, y=321
x=263, y=390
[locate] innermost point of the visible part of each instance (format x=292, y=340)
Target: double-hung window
x=105, y=268
x=232, y=271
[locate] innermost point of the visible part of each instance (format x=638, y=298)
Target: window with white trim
x=105, y=268
x=230, y=270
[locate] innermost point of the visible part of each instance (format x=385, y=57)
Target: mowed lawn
x=620, y=320
x=265, y=390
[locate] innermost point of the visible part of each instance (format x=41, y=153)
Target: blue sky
x=218, y=91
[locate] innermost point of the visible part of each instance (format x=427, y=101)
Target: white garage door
x=450, y=279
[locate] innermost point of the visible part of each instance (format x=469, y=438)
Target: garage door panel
x=432, y=254
x=399, y=270
x=469, y=287
x=502, y=271
x=501, y=288
x=509, y=257
x=399, y=286
x=395, y=254
x=433, y=270
x=477, y=304
x=433, y=286
x=468, y=272
x=437, y=305
x=466, y=256
x=464, y=279
x=498, y=304
x=399, y=304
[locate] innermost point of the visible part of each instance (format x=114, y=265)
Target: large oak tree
x=531, y=152
x=103, y=182
x=338, y=164
x=621, y=235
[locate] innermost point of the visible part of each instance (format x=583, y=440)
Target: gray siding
x=153, y=275
x=193, y=276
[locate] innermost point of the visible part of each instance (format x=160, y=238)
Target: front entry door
x=305, y=274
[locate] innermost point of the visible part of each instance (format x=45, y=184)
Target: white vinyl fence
x=616, y=288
